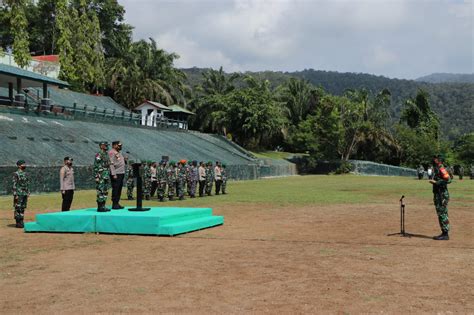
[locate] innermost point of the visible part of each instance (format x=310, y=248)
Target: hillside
x=453, y=102
x=448, y=78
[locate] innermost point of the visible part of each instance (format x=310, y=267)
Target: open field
x=303, y=244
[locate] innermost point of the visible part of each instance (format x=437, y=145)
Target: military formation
x=171, y=180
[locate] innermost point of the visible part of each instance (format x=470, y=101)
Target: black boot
x=101, y=207
x=130, y=198
x=120, y=206
x=442, y=237
x=116, y=206
x=19, y=223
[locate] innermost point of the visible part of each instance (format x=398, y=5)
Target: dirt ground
x=312, y=259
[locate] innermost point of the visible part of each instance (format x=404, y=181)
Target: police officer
x=102, y=176
x=66, y=183
x=21, y=192
x=440, y=183
x=202, y=178
x=218, y=177
x=117, y=173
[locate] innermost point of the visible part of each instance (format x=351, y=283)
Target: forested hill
x=453, y=102
x=448, y=78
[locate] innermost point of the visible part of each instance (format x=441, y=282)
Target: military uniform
x=441, y=179
x=102, y=178
x=181, y=181
x=161, y=179
x=224, y=179
x=147, y=181
x=193, y=179
x=209, y=178
x=21, y=191
x=171, y=178
x=461, y=172
x=130, y=182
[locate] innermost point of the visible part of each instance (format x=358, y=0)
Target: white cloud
x=396, y=38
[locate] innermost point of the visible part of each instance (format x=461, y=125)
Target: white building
x=152, y=113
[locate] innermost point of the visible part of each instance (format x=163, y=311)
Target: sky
x=394, y=38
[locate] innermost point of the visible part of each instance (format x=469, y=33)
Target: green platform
x=156, y=221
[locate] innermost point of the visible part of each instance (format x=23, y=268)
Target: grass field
x=302, y=244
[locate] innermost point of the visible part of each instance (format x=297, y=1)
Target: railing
x=89, y=113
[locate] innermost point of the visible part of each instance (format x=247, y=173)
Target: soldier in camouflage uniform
x=224, y=179
x=21, y=192
x=440, y=183
x=161, y=178
x=147, y=180
x=102, y=176
x=189, y=167
x=193, y=179
x=181, y=180
x=171, y=177
x=130, y=181
x=209, y=178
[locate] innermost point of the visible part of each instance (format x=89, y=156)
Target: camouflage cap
x=104, y=142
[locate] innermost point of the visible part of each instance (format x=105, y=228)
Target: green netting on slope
x=67, y=98
x=371, y=168
x=44, y=141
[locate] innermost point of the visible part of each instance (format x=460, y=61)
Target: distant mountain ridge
x=447, y=78
x=453, y=102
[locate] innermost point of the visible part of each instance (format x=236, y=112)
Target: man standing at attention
x=66, y=182
x=102, y=176
x=117, y=173
x=440, y=183
x=218, y=177
x=21, y=192
x=202, y=178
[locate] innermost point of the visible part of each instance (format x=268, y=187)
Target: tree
x=143, y=71
x=64, y=20
x=19, y=30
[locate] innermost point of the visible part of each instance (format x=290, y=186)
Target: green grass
x=295, y=190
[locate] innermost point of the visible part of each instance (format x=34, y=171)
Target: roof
x=49, y=58
x=179, y=109
x=28, y=75
x=155, y=104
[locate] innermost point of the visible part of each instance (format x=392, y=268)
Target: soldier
x=102, y=176
x=461, y=172
x=441, y=195
x=66, y=183
x=451, y=171
x=218, y=177
x=21, y=192
x=181, y=180
x=224, y=179
x=209, y=178
x=202, y=178
x=472, y=171
x=194, y=178
x=171, y=177
x=189, y=167
x=147, y=180
x=130, y=181
x=161, y=179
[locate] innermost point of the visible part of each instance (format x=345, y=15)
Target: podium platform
x=157, y=221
